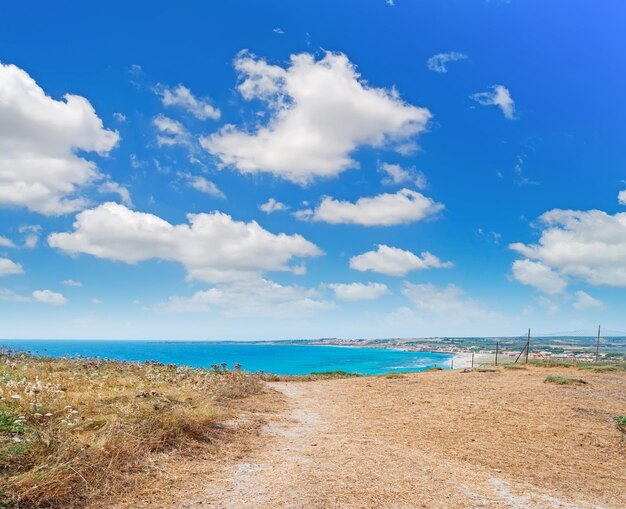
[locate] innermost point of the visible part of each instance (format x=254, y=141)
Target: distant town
x=575, y=348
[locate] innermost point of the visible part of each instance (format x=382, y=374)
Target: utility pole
x=496, y=352
x=598, y=345
x=527, y=346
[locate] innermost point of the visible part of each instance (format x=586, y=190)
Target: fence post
x=472, y=360
x=496, y=353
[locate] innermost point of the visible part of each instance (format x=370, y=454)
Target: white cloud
x=585, y=245
x=405, y=206
x=71, y=282
x=39, y=137
x=621, y=197
x=498, y=96
x=96, y=301
x=278, y=31
x=7, y=295
x=396, y=174
x=550, y=306
x=9, y=267
x=271, y=206
x=182, y=97
x=320, y=112
x=538, y=275
x=449, y=300
x=255, y=297
x=212, y=247
x=49, y=297
x=135, y=162
x=31, y=237
x=202, y=184
x=359, y=291
x=584, y=302
x=438, y=62
x=120, y=117
x=494, y=237
x=5, y=242
x=171, y=132
x=394, y=261
x=110, y=187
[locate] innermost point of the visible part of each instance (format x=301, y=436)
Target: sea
x=279, y=359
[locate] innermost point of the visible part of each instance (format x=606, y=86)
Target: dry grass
x=563, y=380
x=72, y=430
x=440, y=440
x=596, y=367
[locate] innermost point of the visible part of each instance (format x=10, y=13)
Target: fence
x=564, y=346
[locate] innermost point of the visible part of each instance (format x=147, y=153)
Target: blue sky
x=251, y=170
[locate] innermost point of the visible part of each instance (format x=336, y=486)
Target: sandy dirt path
x=498, y=439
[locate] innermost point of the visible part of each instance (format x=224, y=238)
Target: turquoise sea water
x=279, y=359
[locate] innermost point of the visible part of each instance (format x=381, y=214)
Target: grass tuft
x=564, y=380
x=620, y=422
x=597, y=367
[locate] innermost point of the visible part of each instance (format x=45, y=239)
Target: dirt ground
x=502, y=439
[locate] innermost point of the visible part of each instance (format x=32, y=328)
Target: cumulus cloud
x=5, y=242
x=621, y=197
x=585, y=245
x=120, y=117
x=405, y=206
x=584, y=302
x=272, y=205
x=39, y=138
x=498, y=96
x=71, y=282
x=255, y=297
x=439, y=62
x=359, y=291
x=203, y=185
x=538, y=275
x=171, y=132
x=450, y=300
x=9, y=267
x=180, y=96
x=7, y=295
x=110, y=187
x=396, y=174
x=49, y=297
x=31, y=234
x=212, y=247
x=320, y=112
x=394, y=261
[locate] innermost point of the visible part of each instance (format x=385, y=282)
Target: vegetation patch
x=620, y=422
x=394, y=375
x=514, y=366
x=74, y=431
x=564, y=380
x=598, y=367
